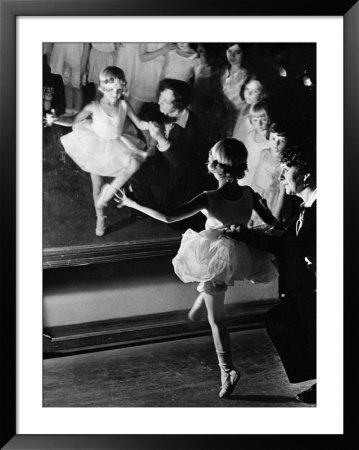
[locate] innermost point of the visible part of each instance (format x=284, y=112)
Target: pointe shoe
x=229, y=382
x=105, y=195
x=100, y=226
x=309, y=396
x=195, y=313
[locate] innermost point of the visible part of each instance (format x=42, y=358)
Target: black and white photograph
x=174, y=282
x=179, y=224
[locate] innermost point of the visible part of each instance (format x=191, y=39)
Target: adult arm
x=145, y=55
x=85, y=57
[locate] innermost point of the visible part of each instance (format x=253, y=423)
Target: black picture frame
x=10, y=9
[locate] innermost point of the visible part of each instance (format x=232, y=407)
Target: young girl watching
x=251, y=92
x=209, y=257
x=233, y=77
x=259, y=118
x=97, y=144
x=102, y=54
x=266, y=176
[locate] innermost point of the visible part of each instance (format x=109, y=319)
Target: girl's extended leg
x=222, y=342
x=97, y=183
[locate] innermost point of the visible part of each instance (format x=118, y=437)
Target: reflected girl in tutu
x=97, y=144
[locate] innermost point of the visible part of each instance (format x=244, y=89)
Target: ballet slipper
x=229, y=381
x=100, y=225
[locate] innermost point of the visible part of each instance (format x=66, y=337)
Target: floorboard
x=180, y=373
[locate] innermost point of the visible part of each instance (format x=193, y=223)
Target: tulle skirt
x=119, y=157
x=211, y=256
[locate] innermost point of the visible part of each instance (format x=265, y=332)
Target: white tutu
x=106, y=157
x=98, y=145
x=211, y=256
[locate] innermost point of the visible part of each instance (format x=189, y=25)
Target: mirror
x=69, y=216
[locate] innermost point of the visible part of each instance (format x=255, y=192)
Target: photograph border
x=12, y=9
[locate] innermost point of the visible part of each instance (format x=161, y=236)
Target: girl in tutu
x=98, y=146
x=209, y=257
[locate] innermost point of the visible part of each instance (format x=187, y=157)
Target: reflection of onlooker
x=70, y=61
x=292, y=323
x=208, y=101
x=179, y=162
x=180, y=63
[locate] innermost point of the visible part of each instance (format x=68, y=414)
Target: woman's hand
x=122, y=199
x=155, y=131
x=168, y=47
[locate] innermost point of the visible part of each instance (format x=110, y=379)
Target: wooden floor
x=180, y=373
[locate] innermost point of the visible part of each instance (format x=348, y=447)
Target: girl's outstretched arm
x=140, y=124
x=182, y=212
x=70, y=121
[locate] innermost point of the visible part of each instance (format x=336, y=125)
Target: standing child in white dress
x=256, y=141
x=209, y=257
x=180, y=63
x=266, y=175
x=145, y=85
x=252, y=91
x=102, y=55
x=70, y=61
x=99, y=147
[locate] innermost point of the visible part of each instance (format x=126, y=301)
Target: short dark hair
x=181, y=91
x=302, y=157
x=279, y=128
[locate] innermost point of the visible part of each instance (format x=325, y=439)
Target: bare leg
x=69, y=98
x=195, y=312
x=222, y=342
x=78, y=99
x=97, y=183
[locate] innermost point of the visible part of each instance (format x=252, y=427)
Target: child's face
x=183, y=46
x=252, y=92
x=260, y=121
x=113, y=91
x=234, y=54
x=277, y=143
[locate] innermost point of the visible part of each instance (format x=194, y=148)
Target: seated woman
x=177, y=169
